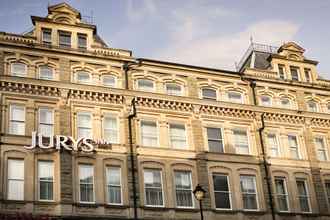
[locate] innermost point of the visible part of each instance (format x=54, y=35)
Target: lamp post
x=199, y=194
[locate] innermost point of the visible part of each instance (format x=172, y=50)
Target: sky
x=210, y=33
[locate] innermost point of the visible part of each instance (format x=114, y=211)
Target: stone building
x=90, y=131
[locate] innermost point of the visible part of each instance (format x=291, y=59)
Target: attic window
x=294, y=73
x=82, y=41
x=46, y=36
x=64, y=39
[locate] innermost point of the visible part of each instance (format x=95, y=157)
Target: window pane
x=221, y=190
x=82, y=40
x=281, y=71
x=83, y=77
x=46, y=36
x=153, y=187
x=321, y=149
x=178, y=136
x=234, y=97
x=285, y=103
x=273, y=145
x=183, y=189
x=46, y=72
x=215, y=140
x=46, y=178
x=65, y=39
x=17, y=113
x=114, y=185
x=46, y=116
x=110, y=129
x=149, y=133
x=86, y=178
x=15, y=179
x=281, y=194
x=311, y=106
x=241, y=141
x=265, y=101
x=303, y=195
x=209, y=94
x=17, y=120
x=173, y=89
x=294, y=74
x=113, y=175
x=145, y=85
x=17, y=128
x=109, y=81
x=293, y=144
x=18, y=69
x=249, y=192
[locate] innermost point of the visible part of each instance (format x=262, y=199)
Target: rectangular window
x=145, y=85
x=281, y=194
x=281, y=71
x=241, y=142
x=307, y=75
x=17, y=120
x=15, y=184
x=327, y=189
x=235, y=97
x=208, y=93
x=293, y=146
x=64, y=39
x=249, y=192
x=222, y=192
x=303, y=195
x=321, y=148
x=273, y=145
x=149, y=134
x=46, y=180
x=178, y=136
x=153, y=187
x=114, y=185
x=18, y=69
x=47, y=36
x=46, y=121
x=294, y=73
x=86, y=183
x=110, y=129
x=215, y=139
x=183, y=189
x=82, y=41
x=84, y=125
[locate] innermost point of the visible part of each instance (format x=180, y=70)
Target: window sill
x=114, y=206
x=89, y=205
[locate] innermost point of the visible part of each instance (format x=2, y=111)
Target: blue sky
x=213, y=33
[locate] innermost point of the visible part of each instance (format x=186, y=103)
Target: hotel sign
x=64, y=142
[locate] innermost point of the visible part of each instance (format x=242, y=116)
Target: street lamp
x=199, y=194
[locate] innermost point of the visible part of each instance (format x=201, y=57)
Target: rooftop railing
x=255, y=47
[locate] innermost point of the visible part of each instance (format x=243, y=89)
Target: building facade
x=89, y=131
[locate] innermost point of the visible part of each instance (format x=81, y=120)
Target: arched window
x=146, y=85
x=235, y=97
x=46, y=72
x=109, y=80
x=173, y=89
x=285, y=103
x=18, y=69
x=312, y=106
x=208, y=93
x=265, y=101
x=83, y=77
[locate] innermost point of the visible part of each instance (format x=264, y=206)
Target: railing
x=255, y=47
x=17, y=38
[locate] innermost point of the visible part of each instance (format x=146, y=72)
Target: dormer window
x=64, y=39
x=281, y=71
x=82, y=41
x=294, y=73
x=83, y=77
x=235, y=97
x=18, y=69
x=208, y=93
x=46, y=36
x=46, y=72
x=307, y=75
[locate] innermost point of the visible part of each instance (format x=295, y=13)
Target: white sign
x=65, y=142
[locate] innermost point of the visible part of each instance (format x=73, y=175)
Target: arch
x=247, y=169
x=63, y=18
x=181, y=165
x=216, y=168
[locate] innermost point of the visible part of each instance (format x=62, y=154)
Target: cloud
x=142, y=10
x=217, y=49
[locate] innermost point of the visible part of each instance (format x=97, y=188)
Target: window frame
x=262, y=103
x=312, y=109
x=46, y=42
x=178, y=86
x=185, y=147
x=209, y=97
x=11, y=106
x=91, y=123
x=327, y=190
x=108, y=85
x=15, y=179
x=112, y=185
x=67, y=34
x=298, y=73
x=234, y=92
x=161, y=187
x=289, y=106
x=89, y=81
x=248, y=193
x=48, y=67
x=93, y=183
x=141, y=133
x=139, y=88
x=116, y=130
x=270, y=146
x=52, y=181
x=220, y=140
x=247, y=138
x=298, y=146
x=191, y=190
x=286, y=194
x=79, y=37
x=229, y=191
x=12, y=73
x=281, y=66
x=325, y=147
x=307, y=196
x=52, y=124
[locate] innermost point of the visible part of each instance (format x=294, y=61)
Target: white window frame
x=108, y=85
x=307, y=196
x=18, y=74
x=17, y=121
x=324, y=150
x=256, y=192
x=229, y=191
x=222, y=135
x=209, y=97
x=298, y=146
x=286, y=194
x=141, y=133
x=15, y=180
x=50, y=181
x=113, y=185
x=113, y=130
x=91, y=123
x=176, y=84
x=93, y=183
x=185, y=147
x=153, y=89
x=236, y=92
x=191, y=190
x=49, y=67
x=162, y=189
x=80, y=81
x=271, y=147
x=52, y=123
x=247, y=137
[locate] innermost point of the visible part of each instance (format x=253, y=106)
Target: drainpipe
x=130, y=118
x=264, y=159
